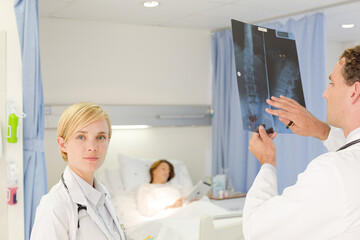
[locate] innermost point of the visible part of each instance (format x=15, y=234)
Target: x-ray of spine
x=283, y=69
x=266, y=64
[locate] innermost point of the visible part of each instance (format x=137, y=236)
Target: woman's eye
x=80, y=137
x=101, y=137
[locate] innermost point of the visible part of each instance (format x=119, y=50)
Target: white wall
x=124, y=64
x=11, y=216
x=333, y=52
x=111, y=63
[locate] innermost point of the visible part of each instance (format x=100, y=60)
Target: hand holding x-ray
x=262, y=146
x=305, y=124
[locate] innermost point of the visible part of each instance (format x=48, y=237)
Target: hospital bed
x=198, y=220
x=230, y=231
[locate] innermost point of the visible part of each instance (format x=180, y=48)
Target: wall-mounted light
x=351, y=25
x=124, y=127
x=143, y=116
x=151, y=4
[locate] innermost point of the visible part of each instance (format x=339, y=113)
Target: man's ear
x=62, y=144
x=355, y=95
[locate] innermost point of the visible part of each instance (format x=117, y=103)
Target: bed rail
x=230, y=215
x=231, y=231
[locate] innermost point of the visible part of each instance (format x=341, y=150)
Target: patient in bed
x=159, y=194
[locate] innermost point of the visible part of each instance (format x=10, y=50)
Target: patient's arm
x=154, y=198
x=178, y=203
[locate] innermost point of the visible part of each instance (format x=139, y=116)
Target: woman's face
x=161, y=173
x=86, y=150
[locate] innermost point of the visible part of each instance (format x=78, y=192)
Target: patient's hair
x=156, y=164
x=351, y=69
x=77, y=117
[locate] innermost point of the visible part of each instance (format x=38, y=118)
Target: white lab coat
x=57, y=215
x=323, y=204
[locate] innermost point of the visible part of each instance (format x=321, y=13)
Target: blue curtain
x=230, y=141
x=35, y=178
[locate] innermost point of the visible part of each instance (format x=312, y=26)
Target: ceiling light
x=151, y=4
x=348, y=25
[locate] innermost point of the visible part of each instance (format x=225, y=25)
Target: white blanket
x=152, y=199
x=172, y=224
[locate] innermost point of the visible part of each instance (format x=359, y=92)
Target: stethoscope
x=349, y=144
x=82, y=207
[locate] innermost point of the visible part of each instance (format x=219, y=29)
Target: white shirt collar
x=94, y=195
x=353, y=135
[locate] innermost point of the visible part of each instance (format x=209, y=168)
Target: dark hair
x=156, y=164
x=351, y=69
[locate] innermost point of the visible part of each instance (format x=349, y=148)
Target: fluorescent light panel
x=151, y=4
x=351, y=25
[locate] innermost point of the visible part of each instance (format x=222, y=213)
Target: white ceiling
x=208, y=14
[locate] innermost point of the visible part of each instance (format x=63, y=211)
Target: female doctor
x=78, y=206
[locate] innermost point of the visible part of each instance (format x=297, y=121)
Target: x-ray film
x=266, y=65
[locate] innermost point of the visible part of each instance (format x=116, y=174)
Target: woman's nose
x=92, y=146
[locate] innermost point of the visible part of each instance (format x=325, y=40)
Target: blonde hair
x=77, y=117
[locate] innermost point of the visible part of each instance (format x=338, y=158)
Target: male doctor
x=325, y=201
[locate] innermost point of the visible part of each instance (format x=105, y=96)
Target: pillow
x=135, y=172
x=182, y=176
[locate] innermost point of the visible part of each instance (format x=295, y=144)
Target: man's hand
x=305, y=124
x=262, y=146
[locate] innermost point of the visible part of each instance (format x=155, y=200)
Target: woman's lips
x=91, y=158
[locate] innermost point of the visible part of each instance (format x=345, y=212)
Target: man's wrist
x=323, y=132
x=268, y=165
x=269, y=162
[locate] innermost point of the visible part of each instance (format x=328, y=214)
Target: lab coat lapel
x=78, y=197
x=98, y=221
x=112, y=211
x=75, y=191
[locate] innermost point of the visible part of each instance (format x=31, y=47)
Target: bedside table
x=234, y=202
